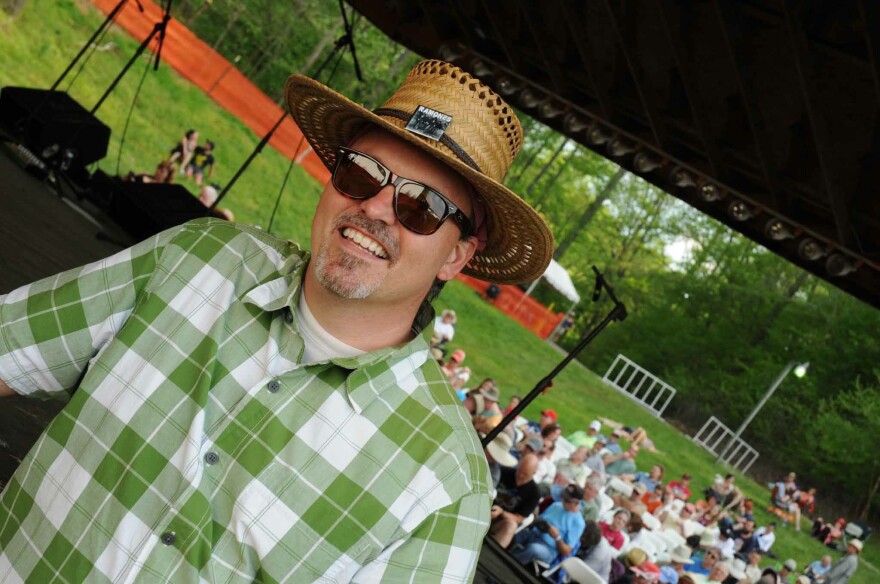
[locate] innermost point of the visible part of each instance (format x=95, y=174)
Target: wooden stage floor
x=43, y=234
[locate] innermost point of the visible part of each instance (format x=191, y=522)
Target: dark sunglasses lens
x=357, y=176
x=419, y=208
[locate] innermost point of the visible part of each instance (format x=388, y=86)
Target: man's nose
x=381, y=206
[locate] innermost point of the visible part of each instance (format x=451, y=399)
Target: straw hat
x=682, y=555
x=499, y=448
x=738, y=569
x=459, y=120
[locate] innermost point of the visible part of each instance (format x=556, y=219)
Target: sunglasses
x=418, y=207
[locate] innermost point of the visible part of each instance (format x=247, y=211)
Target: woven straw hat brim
x=520, y=244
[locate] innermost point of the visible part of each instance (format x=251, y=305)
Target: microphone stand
x=159, y=29
x=346, y=40
x=618, y=313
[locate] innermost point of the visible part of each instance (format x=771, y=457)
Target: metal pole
x=788, y=367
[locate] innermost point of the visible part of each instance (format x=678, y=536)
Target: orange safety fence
x=512, y=301
x=197, y=62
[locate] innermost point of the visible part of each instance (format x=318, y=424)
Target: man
x=576, y=463
x=719, y=573
x=788, y=571
x=843, y=570
x=765, y=537
x=555, y=533
x=680, y=489
x=753, y=569
x=547, y=418
x=518, y=497
x=705, y=566
x=613, y=441
x=595, y=460
x=745, y=537
x=241, y=410
x=621, y=464
x=590, y=507
x=819, y=568
x=498, y=456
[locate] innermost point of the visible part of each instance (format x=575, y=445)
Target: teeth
x=365, y=242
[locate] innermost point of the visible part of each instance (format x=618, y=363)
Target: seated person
x=729, y=495
x=706, y=564
x=765, y=537
x=652, y=479
x=595, y=550
x=633, y=503
x=517, y=498
x=595, y=460
x=680, y=489
x=621, y=464
x=613, y=531
x=164, y=174
x=710, y=511
x=817, y=570
x=555, y=533
x=588, y=438
x=577, y=464
x=655, y=500
x=744, y=535
x=590, y=507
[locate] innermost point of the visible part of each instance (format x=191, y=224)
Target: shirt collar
x=372, y=372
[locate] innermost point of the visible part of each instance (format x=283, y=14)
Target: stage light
x=619, y=147
x=801, y=369
x=810, y=249
x=777, y=230
x=481, y=69
x=740, y=211
x=573, y=123
x=506, y=86
x=530, y=99
x=682, y=178
x=597, y=135
x=549, y=110
x=839, y=265
x=645, y=163
x=710, y=192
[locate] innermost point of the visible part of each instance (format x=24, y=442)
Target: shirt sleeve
x=50, y=329
x=443, y=548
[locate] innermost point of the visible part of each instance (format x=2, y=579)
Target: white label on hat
x=428, y=123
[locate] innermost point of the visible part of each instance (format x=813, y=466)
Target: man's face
x=526, y=469
x=572, y=505
x=546, y=421
x=719, y=573
x=754, y=558
x=345, y=268
x=826, y=561
x=711, y=558
x=620, y=521
x=579, y=455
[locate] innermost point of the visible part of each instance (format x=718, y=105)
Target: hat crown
x=483, y=125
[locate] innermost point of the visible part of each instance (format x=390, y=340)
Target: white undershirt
x=319, y=344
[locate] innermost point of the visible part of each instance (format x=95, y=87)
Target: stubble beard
x=346, y=275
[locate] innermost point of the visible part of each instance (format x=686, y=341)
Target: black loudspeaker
x=142, y=209
x=48, y=123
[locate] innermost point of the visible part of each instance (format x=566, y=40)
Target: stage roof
x=763, y=115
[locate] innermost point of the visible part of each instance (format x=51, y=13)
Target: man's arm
x=5, y=391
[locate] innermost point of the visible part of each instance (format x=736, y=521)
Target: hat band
x=444, y=139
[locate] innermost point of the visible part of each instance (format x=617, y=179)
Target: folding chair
x=577, y=571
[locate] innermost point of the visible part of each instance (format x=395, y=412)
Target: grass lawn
x=36, y=47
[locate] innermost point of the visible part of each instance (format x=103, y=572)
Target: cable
x=131, y=111
x=89, y=55
x=296, y=153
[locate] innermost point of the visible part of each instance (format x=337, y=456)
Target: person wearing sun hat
x=240, y=407
x=843, y=570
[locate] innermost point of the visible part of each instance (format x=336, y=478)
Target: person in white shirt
x=766, y=537
x=444, y=326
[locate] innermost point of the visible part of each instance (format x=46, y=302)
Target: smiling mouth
x=364, y=242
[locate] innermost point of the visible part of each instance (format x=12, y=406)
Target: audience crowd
x=586, y=494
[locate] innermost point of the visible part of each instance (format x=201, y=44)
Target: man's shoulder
x=209, y=234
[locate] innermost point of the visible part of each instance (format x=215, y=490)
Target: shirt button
x=288, y=315
x=168, y=538
x=273, y=386
x=212, y=458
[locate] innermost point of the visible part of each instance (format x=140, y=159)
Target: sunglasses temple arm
x=617, y=313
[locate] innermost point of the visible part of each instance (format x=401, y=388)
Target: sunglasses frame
x=397, y=181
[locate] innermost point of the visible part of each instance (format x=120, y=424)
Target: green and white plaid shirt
x=194, y=448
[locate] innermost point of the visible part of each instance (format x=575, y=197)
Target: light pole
x=800, y=369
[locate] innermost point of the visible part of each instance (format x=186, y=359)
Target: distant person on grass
x=843, y=570
x=240, y=410
x=202, y=163
x=164, y=174
x=183, y=152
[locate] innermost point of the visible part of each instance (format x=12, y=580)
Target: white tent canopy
x=557, y=277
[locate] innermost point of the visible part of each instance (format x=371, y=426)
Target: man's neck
x=363, y=324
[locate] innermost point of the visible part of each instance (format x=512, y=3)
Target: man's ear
x=458, y=258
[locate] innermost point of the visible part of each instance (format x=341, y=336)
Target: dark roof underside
x=760, y=114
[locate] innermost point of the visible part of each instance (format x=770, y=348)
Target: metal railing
x=639, y=384
x=721, y=441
